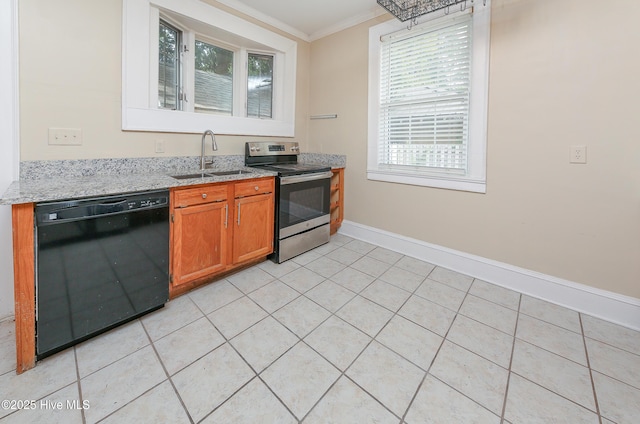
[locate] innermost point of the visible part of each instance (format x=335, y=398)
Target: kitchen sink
x=187, y=176
x=211, y=174
x=234, y=172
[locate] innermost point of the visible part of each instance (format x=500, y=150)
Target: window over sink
x=188, y=66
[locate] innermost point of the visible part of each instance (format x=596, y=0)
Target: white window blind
x=425, y=82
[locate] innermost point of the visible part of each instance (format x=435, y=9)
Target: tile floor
x=349, y=332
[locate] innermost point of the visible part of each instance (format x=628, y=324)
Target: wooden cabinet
x=218, y=227
x=253, y=216
x=337, y=199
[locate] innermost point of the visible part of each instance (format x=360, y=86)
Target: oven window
x=303, y=201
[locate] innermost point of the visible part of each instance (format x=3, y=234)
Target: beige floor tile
x=416, y=266
x=496, y=294
x=360, y=246
x=325, y=266
x=427, y=314
x=211, y=380
x=554, y=314
x=386, y=295
x=386, y=376
x=352, y=279
x=7, y=346
x=49, y=376
x=253, y=404
x=176, y=314
x=158, y=405
x=614, y=362
x=61, y=407
x=273, y=296
x=186, y=345
x=338, y=342
x=302, y=279
x=413, y=342
x=110, y=347
x=552, y=338
x=618, y=401
x=486, y=341
x=250, y=279
x=371, y=266
x=529, y=403
x=489, y=313
x=344, y=256
x=215, y=295
x=554, y=372
x=451, y=278
x=365, y=315
x=299, y=378
x=385, y=255
x=114, y=386
x=441, y=294
x=263, y=343
x=278, y=270
x=472, y=375
x=438, y=403
x=237, y=316
x=301, y=316
x=330, y=295
x=402, y=278
x=612, y=334
x=347, y=403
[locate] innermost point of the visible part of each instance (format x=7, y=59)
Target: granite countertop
x=43, y=181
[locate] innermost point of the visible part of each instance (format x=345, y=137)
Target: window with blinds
x=425, y=83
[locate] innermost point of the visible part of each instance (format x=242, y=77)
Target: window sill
x=139, y=119
x=450, y=183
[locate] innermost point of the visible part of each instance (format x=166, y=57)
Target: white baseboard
x=609, y=306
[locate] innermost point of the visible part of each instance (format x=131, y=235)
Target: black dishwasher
x=100, y=262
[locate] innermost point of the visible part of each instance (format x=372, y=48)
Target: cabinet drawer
x=251, y=188
x=200, y=195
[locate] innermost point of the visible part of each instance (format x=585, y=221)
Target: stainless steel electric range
x=302, y=197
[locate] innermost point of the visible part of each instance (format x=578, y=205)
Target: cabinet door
x=253, y=227
x=199, y=241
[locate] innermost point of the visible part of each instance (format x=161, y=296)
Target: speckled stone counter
x=42, y=181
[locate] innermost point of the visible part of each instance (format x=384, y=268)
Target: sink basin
x=234, y=172
x=187, y=176
x=211, y=174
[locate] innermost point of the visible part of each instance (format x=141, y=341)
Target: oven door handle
x=305, y=177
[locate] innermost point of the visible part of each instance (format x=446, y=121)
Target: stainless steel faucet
x=203, y=162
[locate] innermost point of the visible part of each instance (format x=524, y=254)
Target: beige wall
x=563, y=72
x=70, y=77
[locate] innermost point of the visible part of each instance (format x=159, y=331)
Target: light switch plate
x=65, y=136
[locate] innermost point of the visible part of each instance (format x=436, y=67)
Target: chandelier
x=406, y=10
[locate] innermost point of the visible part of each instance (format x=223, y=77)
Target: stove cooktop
x=296, y=168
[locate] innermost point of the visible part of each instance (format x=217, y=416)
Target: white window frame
x=474, y=180
x=139, y=113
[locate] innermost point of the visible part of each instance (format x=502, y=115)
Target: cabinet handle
x=226, y=215
x=257, y=188
x=238, y=214
x=204, y=195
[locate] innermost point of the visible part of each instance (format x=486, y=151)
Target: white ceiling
x=309, y=19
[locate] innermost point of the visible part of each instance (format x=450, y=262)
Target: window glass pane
x=424, y=98
x=260, y=86
x=169, y=67
x=213, y=79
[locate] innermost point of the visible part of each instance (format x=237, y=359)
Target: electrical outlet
x=578, y=154
x=159, y=146
x=65, y=136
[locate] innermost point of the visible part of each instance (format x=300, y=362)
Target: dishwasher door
x=99, y=263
